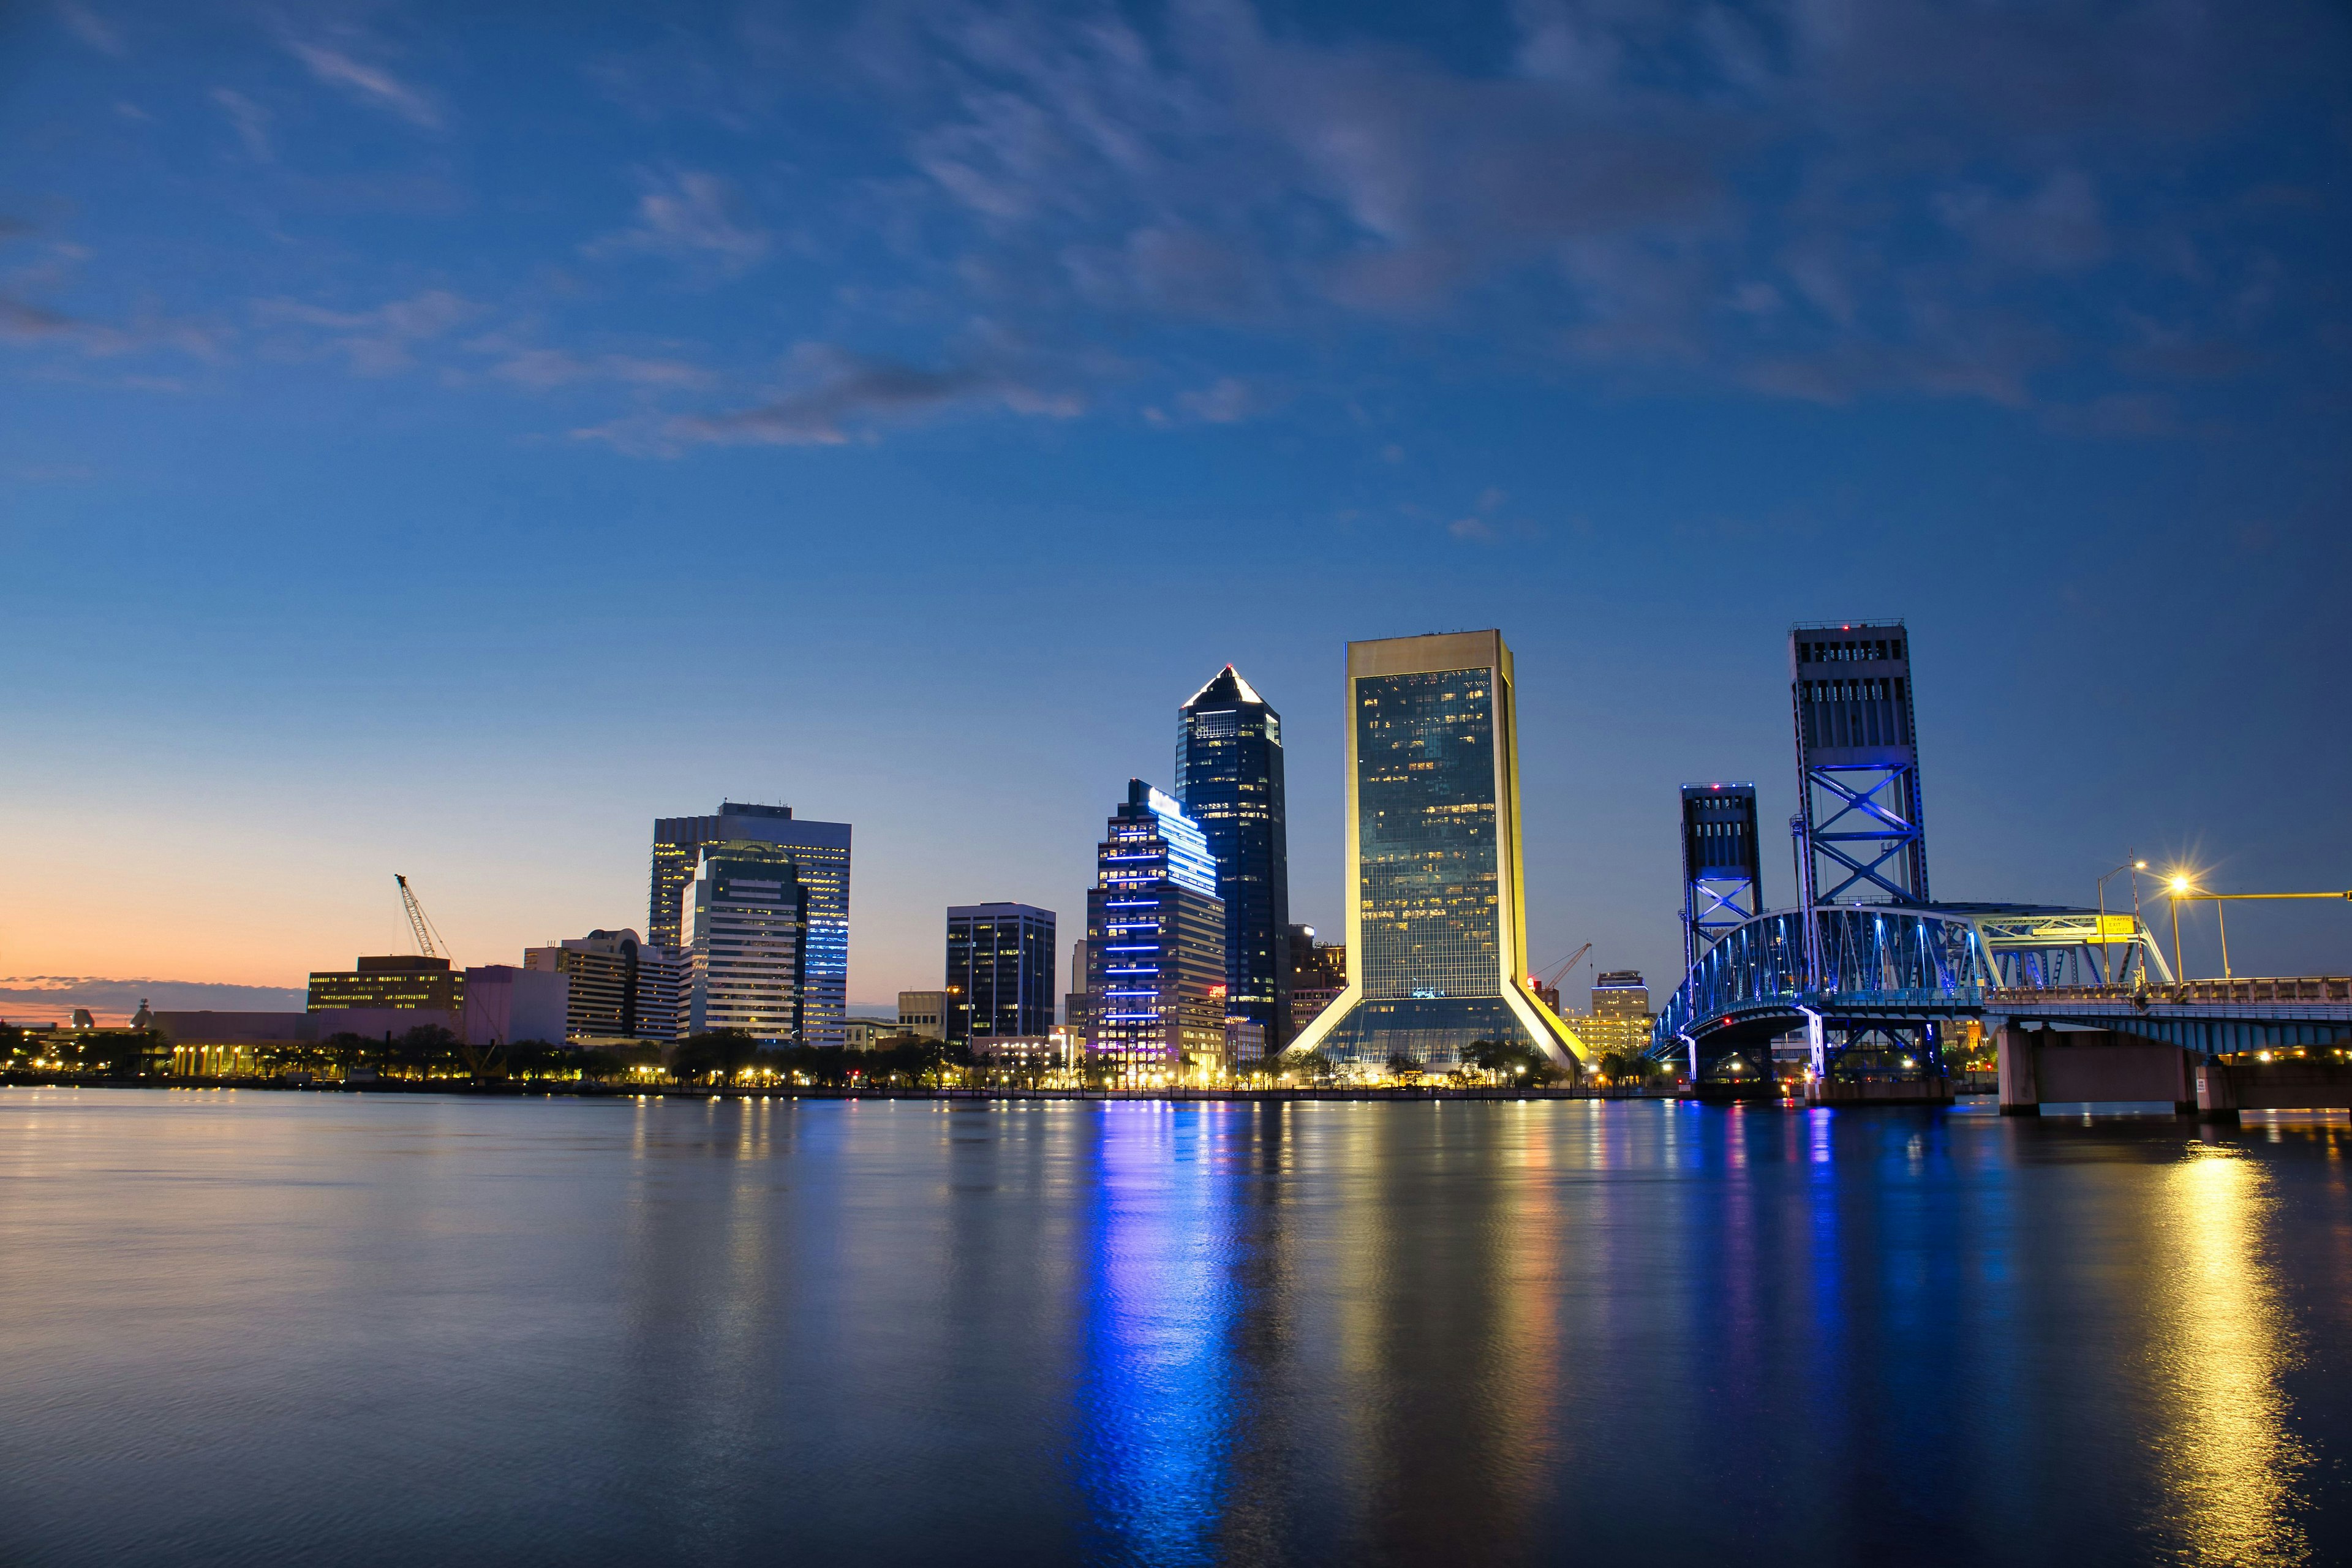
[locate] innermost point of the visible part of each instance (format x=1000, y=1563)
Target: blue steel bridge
x=1875, y=976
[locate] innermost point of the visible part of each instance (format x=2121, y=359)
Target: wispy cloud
x=250, y=121
x=369, y=84
x=833, y=396
x=377, y=342
x=541, y=368
x=691, y=216
x=85, y=23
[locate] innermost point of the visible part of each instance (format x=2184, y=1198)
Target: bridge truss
x=1881, y=987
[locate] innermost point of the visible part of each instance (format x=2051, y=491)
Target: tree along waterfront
x=726, y=1060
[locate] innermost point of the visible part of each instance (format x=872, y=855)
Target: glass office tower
x=1156, y=943
x=1436, y=920
x=820, y=852
x=1000, y=971
x=745, y=925
x=1229, y=779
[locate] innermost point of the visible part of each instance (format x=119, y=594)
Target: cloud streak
x=371, y=85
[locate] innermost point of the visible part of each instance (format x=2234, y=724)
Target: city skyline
x=378, y=462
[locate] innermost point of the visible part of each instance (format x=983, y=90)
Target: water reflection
x=897, y=1332
x=1157, y=1402
x=2231, y=1463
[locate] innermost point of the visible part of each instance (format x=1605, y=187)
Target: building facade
x=924, y=1013
x=400, y=981
x=504, y=1004
x=1155, y=944
x=1436, y=917
x=1000, y=971
x=1620, y=1020
x=1229, y=779
x=1074, y=1004
x=1319, y=972
x=746, y=933
x=820, y=853
x=602, y=968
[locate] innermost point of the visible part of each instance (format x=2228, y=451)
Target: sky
x=440, y=439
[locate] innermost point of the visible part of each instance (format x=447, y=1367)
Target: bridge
x=1880, y=982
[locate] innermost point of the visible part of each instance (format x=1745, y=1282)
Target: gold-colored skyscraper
x=1436, y=917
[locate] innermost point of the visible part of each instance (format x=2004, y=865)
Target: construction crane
x=1560, y=971
x=425, y=933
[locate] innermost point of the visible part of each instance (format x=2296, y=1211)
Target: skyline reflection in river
x=389, y=1328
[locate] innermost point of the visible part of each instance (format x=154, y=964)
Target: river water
x=272, y=1327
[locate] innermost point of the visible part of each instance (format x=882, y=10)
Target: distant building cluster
x=1188, y=970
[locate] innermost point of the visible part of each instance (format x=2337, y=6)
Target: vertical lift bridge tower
x=1722, y=871
x=1860, y=836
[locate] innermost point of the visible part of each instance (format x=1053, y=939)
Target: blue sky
x=443, y=438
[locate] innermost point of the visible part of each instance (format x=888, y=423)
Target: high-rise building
x=820, y=852
x=1000, y=971
x=747, y=942
x=602, y=970
x=1074, y=1005
x=1319, y=972
x=661, y=992
x=1436, y=917
x=1156, y=943
x=1620, y=1021
x=1229, y=779
x=924, y=1013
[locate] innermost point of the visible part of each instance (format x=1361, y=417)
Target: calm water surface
x=291, y=1329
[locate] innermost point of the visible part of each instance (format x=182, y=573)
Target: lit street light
x=2179, y=886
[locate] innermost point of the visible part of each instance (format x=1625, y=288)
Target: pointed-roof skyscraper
x=1229, y=779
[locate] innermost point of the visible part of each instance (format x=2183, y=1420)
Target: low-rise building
x=1020, y=1053
x=504, y=1003
x=861, y=1034
x=924, y=1013
x=398, y=981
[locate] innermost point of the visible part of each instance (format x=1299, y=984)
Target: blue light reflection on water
x=260, y=1328
x=1156, y=1391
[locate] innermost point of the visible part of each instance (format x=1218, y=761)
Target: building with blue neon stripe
x=1155, y=944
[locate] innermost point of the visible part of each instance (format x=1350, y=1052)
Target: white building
x=745, y=921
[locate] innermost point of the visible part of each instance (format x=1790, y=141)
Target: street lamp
x=2178, y=889
x=2106, y=953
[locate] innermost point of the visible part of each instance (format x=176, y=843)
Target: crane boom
x=417, y=922
x=1551, y=982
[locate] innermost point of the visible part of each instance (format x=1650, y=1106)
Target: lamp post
x=2180, y=887
x=2107, y=951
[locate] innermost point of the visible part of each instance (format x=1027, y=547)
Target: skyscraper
x=1000, y=971
x=1155, y=942
x=746, y=927
x=1436, y=918
x=819, y=851
x=1229, y=779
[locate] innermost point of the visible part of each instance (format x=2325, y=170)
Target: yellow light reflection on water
x=2229, y=1462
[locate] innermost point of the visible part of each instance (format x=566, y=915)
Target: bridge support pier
x=2217, y=1097
x=2046, y=1066
x=2021, y=1084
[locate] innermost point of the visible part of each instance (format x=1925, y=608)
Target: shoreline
x=810, y=1091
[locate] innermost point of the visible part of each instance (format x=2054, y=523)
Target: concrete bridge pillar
x=2017, y=1057
x=2217, y=1096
